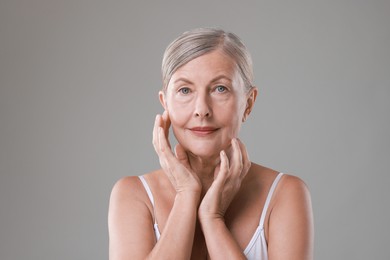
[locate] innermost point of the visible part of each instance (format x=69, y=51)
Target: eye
x=184, y=91
x=221, y=88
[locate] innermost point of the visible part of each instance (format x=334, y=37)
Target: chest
x=242, y=220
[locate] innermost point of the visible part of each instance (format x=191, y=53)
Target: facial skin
x=207, y=103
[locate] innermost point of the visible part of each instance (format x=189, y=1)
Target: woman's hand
x=227, y=182
x=176, y=167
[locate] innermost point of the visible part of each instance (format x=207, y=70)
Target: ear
x=250, y=102
x=161, y=95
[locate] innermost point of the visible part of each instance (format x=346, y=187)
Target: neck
x=205, y=168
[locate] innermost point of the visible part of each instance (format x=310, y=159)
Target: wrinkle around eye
x=224, y=89
x=184, y=91
x=221, y=89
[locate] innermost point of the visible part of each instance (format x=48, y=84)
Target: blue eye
x=221, y=88
x=184, y=91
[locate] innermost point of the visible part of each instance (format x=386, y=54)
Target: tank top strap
x=268, y=200
x=150, y=195
x=148, y=190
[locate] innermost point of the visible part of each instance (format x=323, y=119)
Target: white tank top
x=257, y=247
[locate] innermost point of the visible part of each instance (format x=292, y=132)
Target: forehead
x=209, y=65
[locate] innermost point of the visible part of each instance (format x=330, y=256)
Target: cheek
x=231, y=116
x=231, y=111
x=177, y=113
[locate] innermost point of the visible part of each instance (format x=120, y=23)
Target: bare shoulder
x=289, y=187
x=129, y=190
x=291, y=230
x=126, y=197
x=130, y=219
x=126, y=186
x=293, y=183
x=292, y=189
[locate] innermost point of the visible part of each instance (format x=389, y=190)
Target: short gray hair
x=198, y=42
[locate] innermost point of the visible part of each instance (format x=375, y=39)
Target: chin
x=203, y=153
x=206, y=150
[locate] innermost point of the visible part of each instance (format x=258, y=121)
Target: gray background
x=78, y=96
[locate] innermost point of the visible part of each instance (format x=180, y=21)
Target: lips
x=203, y=130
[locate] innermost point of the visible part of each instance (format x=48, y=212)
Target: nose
x=202, y=107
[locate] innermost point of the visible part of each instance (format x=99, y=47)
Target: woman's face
x=206, y=102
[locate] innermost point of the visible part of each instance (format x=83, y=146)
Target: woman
x=208, y=201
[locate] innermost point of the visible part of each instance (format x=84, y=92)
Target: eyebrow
x=182, y=79
x=220, y=77
x=213, y=80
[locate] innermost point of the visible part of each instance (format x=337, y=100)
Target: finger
x=155, y=133
x=245, y=159
x=164, y=154
x=224, y=163
x=157, y=140
x=162, y=140
x=165, y=149
x=181, y=155
x=236, y=164
x=166, y=122
x=223, y=170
